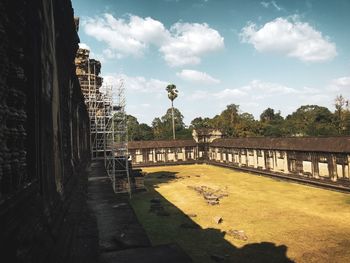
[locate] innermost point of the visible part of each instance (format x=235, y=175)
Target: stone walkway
x=121, y=238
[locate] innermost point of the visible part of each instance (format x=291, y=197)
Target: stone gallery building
x=324, y=160
x=148, y=153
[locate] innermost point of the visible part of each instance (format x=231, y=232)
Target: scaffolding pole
x=122, y=173
x=108, y=123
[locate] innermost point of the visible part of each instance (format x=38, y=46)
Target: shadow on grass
x=202, y=245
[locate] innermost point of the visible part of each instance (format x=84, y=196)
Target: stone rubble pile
x=211, y=196
x=237, y=234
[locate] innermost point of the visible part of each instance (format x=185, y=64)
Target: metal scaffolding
x=121, y=179
x=108, y=125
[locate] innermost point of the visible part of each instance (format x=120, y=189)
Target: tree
x=174, y=113
x=269, y=115
x=342, y=114
x=271, y=123
x=247, y=126
x=172, y=95
x=146, y=132
x=311, y=120
x=162, y=127
x=133, y=128
x=158, y=128
x=228, y=119
x=200, y=122
x=232, y=113
x=136, y=131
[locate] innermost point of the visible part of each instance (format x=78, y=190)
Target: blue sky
x=257, y=54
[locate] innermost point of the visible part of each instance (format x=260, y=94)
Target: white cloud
x=272, y=3
x=99, y=57
x=110, y=54
x=197, y=76
x=290, y=37
x=230, y=94
x=265, y=4
x=268, y=87
x=84, y=46
x=276, y=6
x=340, y=84
x=183, y=44
x=189, y=42
x=260, y=90
x=199, y=95
x=147, y=98
x=125, y=38
x=137, y=84
x=254, y=96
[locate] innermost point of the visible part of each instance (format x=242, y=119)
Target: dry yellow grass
x=283, y=221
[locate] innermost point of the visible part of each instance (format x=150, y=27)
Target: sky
x=257, y=54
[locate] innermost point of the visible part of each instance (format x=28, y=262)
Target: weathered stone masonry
x=44, y=127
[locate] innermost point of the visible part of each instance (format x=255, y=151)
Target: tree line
x=307, y=120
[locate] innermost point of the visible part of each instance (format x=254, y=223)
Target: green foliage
x=230, y=122
x=199, y=122
x=184, y=134
x=307, y=120
x=247, y=126
x=133, y=128
x=136, y=131
x=172, y=92
x=342, y=115
x=311, y=120
x=166, y=119
x=271, y=123
x=146, y=132
x=162, y=127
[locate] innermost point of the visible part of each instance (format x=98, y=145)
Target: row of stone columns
x=280, y=161
x=144, y=153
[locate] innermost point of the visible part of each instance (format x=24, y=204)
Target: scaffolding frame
x=108, y=126
x=121, y=183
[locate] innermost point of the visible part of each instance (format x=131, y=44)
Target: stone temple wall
x=44, y=127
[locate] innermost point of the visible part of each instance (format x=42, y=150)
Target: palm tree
x=172, y=94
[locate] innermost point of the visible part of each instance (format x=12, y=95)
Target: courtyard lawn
x=283, y=221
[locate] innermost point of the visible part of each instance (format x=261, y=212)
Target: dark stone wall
x=44, y=127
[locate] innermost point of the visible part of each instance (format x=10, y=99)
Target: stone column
x=333, y=173
x=255, y=156
x=274, y=160
x=314, y=161
x=263, y=158
x=348, y=170
x=285, y=163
